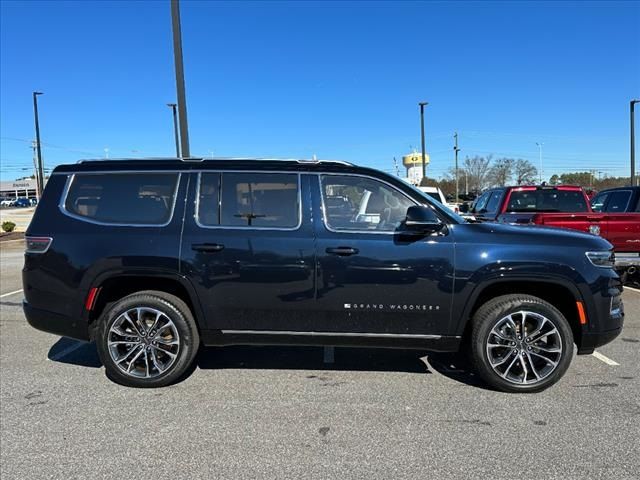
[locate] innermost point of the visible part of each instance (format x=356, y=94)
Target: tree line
x=479, y=173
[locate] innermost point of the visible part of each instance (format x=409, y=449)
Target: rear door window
x=257, y=200
x=122, y=198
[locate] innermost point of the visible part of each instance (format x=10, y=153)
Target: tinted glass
x=125, y=198
x=494, y=202
x=638, y=204
x=618, y=201
x=547, y=201
x=359, y=203
x=597, y=202
x=259, y=200
x=209, y=199
x=480, y=202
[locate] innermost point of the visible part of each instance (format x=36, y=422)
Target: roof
x=163, y=163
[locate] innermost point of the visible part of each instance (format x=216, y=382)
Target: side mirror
x=422, y=219
x=464, y=208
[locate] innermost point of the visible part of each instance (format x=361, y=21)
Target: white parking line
x=604, y=359
x=12, y=241
x=633, y=289
x=67, y=351
x=10, y=293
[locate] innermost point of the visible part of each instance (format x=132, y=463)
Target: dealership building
x=18, y=188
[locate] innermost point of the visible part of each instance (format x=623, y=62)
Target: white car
x=7, y=203
x=435, y=192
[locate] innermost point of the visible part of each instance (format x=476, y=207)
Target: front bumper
x=55, y=323
x=607, y=326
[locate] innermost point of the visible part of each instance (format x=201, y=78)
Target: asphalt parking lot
x=284, y=413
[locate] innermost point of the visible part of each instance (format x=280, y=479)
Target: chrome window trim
x=324, y=210
x=71, y=177
x=106, y=172
x=196, y=214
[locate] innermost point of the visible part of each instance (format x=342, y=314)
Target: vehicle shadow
x=74, y=352
x=451, y=365
x=311, y=358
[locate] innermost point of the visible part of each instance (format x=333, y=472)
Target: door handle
x=342, y=251
x=207, y=247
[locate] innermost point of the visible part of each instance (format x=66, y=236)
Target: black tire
x=179, y=314
x=492, y=314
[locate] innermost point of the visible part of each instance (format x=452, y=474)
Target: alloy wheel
x=143, y=342
x=524, y=347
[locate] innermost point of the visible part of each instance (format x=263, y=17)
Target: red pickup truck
x=615, y=215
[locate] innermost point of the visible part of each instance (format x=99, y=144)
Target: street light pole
x=456, y=150
x=177, y=55
x=175, y=127
x=424, y=164
x=539, y=144
x=40, y=173
x=633, y=141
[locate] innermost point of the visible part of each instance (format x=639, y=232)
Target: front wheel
x=520, y=343
x=147, y=339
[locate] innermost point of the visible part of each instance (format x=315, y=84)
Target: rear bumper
x=624, y=260
x=55, y=323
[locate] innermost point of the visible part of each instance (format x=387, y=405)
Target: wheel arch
x=117, y=284
x=561, y=293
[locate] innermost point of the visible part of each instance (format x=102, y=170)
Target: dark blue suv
x=152, y=258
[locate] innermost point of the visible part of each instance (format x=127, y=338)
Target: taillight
x=37, y=244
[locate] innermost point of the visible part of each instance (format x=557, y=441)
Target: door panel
x=371, y=277
x=257, y=273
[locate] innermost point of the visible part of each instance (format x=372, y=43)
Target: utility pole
x=633, y=141
x=40, y=173
x=424, y=164
x=395, y=167
x=182, y=98
x=456, y=150
x=175, y=127
x=539, y=144
x=35, y=170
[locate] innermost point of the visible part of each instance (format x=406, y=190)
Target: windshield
x=547, y=201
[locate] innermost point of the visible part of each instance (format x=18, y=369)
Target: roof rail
x=201, y=159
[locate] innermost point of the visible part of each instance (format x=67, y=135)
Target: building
x=413, y=163
x=18, y=188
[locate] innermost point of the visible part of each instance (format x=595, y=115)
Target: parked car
x=7, y=202
x=518, y=205
x=153, y=258
x=615, y=216
x=22, y=202
x=436, y=193
x=33, y=201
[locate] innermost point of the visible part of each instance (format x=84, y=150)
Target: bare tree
x=501, y=172
x=477, y=169
x=524, y=171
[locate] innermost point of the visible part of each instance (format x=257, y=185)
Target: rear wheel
x=147, y=339
x=521, y=343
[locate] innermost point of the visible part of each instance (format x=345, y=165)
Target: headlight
x=605, y=259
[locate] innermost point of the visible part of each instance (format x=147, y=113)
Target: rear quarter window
x=122, y=198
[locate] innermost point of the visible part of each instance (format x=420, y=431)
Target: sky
x=339, y=80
